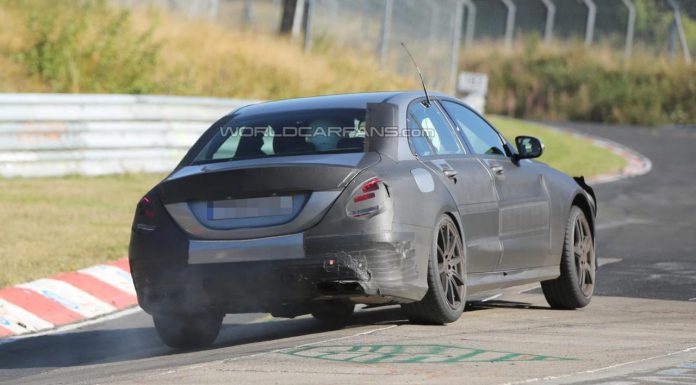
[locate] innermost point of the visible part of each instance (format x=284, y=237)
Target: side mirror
x=528, y=147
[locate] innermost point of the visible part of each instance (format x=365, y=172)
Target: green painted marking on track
x=463, y=357
x=507, y=357
x=413, y=354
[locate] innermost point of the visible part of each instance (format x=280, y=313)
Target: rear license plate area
x=250, y=208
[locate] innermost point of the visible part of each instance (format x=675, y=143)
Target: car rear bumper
x=278, y=274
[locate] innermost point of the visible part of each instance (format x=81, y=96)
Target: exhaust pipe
x=339, y=288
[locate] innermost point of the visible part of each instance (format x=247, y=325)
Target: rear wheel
x=574, y=288
x=187, y=331
x=446, y=297
x=332, y=310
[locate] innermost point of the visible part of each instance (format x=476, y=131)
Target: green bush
x=573, y=83
x=84, y=46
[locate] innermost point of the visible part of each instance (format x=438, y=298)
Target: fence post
x=248, y=12
x=470, y=23
x=308, y=25
x=591, y=15
x=297, y=19
x=630, y=29
x=456, y=44
x=509, y=22
x=680, y=30
x=550, y=16
x=386, y=28
x=213, y=10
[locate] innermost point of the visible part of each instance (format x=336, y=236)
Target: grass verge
x=63, y=224
x=563, y=151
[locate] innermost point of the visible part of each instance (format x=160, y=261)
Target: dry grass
x=14, y=77
x=89, y=46
x=569, y=82
x=62, y=224
x=209, y=59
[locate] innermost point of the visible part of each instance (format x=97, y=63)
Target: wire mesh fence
x=438, y=30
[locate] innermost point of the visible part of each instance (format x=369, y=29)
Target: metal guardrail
x=62, y=134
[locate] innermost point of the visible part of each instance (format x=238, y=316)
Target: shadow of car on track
x=88, y=347
x=476, y=305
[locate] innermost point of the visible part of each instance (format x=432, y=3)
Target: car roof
x=354, y=100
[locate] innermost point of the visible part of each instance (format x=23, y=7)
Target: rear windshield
x=287, y=133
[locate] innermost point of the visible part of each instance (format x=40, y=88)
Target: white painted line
x=623, y=222
x=76, y=325
x=492, y=297
x=113, y=276
x=533, y=286
x=599, y=370
x=606, y=261
x=524, y=289
x=311, y=343
x=93, y=321
x=20, y=321
x=70, y=297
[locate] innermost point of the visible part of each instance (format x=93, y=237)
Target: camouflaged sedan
x=314, y=205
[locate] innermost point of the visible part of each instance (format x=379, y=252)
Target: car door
x=469, y=182
x=522, y=195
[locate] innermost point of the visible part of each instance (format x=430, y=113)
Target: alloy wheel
x=450, y=263
x=583, y=250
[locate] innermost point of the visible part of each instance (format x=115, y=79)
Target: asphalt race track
x=638, y=330
x=650, y=221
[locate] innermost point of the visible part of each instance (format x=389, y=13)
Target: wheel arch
x=456, y=218
x=581, y=201
x=457, y=222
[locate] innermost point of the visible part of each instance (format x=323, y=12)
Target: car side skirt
x=485, y=282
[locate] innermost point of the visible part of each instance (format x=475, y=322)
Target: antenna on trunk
x=425, y=90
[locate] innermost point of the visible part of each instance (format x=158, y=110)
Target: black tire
x=446, y=297
x=332, y=310
x=574, y=288
x=188, y=331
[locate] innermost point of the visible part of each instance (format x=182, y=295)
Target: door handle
x=450, y=173
x=498, y=169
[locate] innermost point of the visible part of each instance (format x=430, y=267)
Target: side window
x=428, y=124
x=483, y=139
x=419, y=142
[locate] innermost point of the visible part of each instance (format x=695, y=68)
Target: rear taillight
x=371, y=185
x=145, y=214
x=368, y=200
x=363, y=197
x=145, y=208
x=368, y=188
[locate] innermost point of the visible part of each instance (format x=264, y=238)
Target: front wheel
x=446, y=297
x=574, y=288
x=187, y=331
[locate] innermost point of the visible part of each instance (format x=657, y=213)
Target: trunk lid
x=256, y=198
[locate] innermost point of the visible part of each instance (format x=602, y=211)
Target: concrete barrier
x=61, y=134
